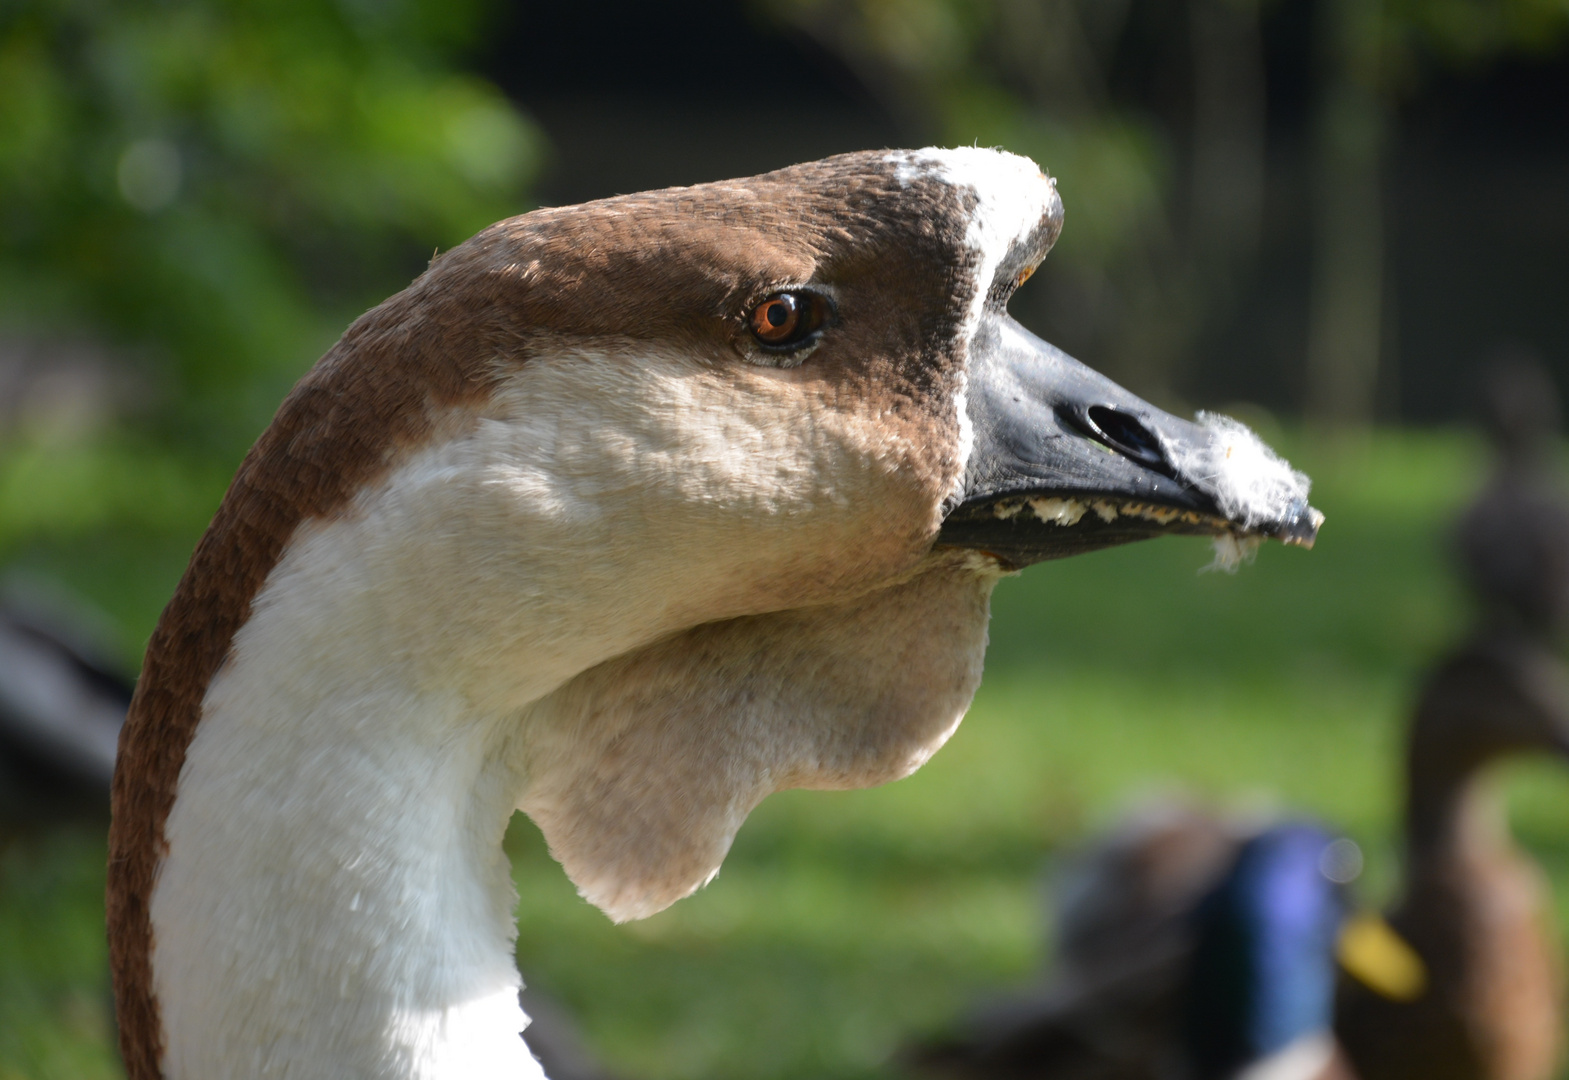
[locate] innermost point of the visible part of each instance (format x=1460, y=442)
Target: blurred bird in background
x=1474, y=906
x=1190, y=944
x=1513, y=540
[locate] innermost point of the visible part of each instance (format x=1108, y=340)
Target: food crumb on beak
x=1231, y=551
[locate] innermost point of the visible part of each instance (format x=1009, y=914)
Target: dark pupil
x=777, y=313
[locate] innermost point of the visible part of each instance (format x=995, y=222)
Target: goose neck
x=335, y=901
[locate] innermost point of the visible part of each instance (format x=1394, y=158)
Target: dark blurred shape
x=1475, y=908
x=62, y=701
x=636, y=96
x=1521, y=411
x=1189, y=945
x=680, y=52
x=1513, y=541
x=553, y=1038
x=1126, y=899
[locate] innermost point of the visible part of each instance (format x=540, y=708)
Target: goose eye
x=787, y=319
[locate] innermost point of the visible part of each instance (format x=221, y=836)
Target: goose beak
x=1063, y=461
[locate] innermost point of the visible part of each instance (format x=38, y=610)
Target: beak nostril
x=1126, y=435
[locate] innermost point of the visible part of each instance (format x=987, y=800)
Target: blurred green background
x=1321, y=214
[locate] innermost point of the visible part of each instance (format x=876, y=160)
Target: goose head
x=627, y=515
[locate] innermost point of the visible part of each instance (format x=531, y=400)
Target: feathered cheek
x=648, y=765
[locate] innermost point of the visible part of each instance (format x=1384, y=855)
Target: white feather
x=1249, y=482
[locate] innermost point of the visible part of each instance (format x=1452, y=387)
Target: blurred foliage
x=211, y=189
x=1463, y=32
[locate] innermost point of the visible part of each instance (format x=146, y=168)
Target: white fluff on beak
x=1249, y=481
x=1231, y=551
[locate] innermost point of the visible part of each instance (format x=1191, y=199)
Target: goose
x=625, y=515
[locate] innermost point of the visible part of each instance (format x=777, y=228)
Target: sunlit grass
x=845, y=921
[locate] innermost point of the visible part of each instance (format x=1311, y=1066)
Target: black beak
x=1063, y=460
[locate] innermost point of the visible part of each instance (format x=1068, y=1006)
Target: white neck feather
x=335, y=901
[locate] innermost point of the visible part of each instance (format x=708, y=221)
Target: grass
x=843, y=922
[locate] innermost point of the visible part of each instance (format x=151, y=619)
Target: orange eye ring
x=787, y=319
